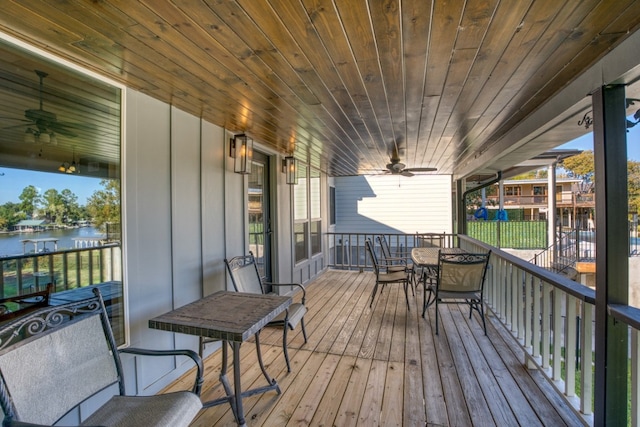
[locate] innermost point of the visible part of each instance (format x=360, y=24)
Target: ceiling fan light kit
x=32, y=136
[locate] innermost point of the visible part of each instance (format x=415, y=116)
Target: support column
x=461, y=208
x=612, y=249
x=551, y=211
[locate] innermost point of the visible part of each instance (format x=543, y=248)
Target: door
x=259, y=214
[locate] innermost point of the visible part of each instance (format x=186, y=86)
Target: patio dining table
x=231, y=317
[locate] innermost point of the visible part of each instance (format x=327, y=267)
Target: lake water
x=11, y=243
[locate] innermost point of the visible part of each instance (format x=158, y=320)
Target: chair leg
x=436, y=317
x=411, y=280
x=373, y=294
x=484, y=324
x=284, y=347
x=406, y=293
x=304, y=331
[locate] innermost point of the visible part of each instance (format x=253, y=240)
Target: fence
x=66, y=269
x=347, y=250
x=510, y=234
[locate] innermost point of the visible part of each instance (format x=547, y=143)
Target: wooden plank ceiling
x=343, y=84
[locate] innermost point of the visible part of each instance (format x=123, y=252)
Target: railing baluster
x=557, y=334
x=570, y=347
x=586, y=351
x=521, y=286
x=635, y=377
x=528, y=330
x=537, y=317
x=514, y=298
x=546, y=323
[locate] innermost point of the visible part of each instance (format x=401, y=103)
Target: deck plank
x=385, y=366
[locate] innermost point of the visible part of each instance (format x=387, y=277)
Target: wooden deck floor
x=385, y=366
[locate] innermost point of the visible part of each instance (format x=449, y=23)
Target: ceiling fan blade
x=406, y=173
x=421, y=169
x=26, y=123
x=61, y=129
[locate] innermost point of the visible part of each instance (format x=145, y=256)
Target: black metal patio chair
x=246, y=278
x=384, y=277
x=459, y=280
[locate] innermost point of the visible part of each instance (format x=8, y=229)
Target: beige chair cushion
x=173, y=409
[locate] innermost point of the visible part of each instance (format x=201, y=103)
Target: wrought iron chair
x=246, y=278
x=459, y=280
x=55, y=358
x=397, y=261
x=384, y=277
x=427, y=240
x=19, y=305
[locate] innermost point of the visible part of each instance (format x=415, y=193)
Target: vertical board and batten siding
x=173, y=184
x=186, y=223
x=393, y=204
x=212, y=165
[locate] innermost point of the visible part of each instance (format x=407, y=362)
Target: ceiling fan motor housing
x=41, y=118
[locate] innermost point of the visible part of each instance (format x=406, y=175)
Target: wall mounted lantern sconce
x=290, y=169
x=241, y=149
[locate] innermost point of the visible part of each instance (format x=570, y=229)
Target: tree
x=581, y=166
x=29, y=200
x=72, y=211
x=52, y=206
x=10, y=215
x=104, y=205
x=633, y=185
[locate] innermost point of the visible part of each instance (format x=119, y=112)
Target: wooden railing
x=551, y=317
x=66, y=269
x=347, y=250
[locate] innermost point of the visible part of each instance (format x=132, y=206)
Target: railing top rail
x=575, y=289
x=59, y=251
x=626, y=314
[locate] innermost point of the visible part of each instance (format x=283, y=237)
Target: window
x=307, y=213
x=301, y=215
x=64, y=180
x=332, y=205
x=539, y=193
x=510, y=190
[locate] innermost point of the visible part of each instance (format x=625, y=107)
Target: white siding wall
x=394, y=204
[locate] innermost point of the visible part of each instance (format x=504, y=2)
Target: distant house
x=28, y=225
x=527, y=199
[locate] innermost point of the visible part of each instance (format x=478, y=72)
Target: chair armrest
x=397, y=258
x=197, y=386
x=304, y=292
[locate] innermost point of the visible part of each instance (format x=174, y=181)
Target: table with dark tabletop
x=231, y=317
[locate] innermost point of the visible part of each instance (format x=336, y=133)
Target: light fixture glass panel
x=244, y=153
x=291, y=170
x=29, y=136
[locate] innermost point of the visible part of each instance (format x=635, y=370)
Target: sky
x=13, y=181
x=633, y=142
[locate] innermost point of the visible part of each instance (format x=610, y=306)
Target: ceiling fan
x=396, y=167
x=42, y=124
